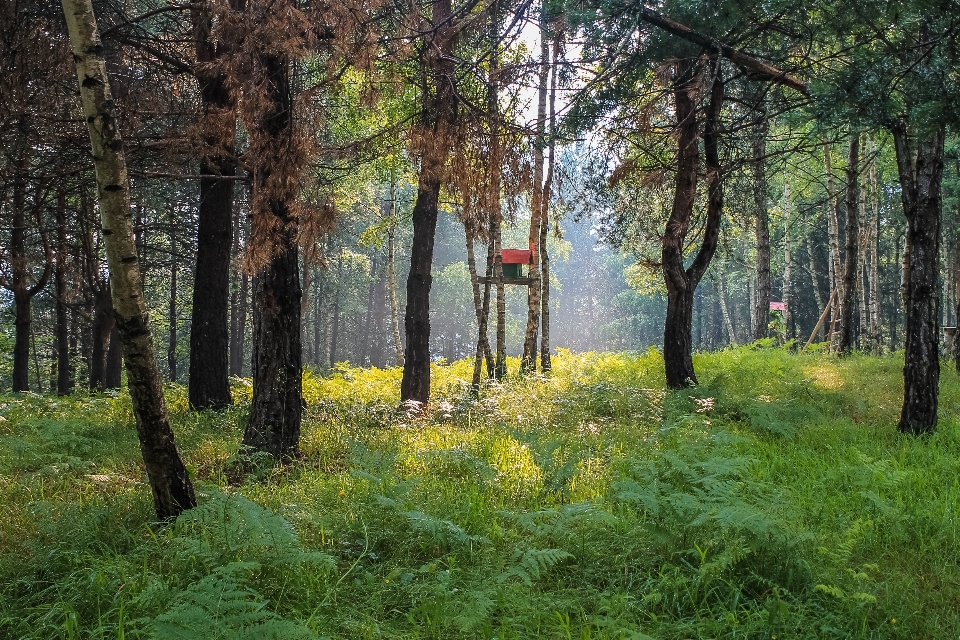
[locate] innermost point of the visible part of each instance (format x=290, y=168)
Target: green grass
x=774, y=500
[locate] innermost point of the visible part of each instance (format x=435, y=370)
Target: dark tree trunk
x=439, y=117
x=682, y=283
x=852, y=255
x=209, y=387
x=277, y=409
x=103, y=323
x=415, y=384
x=21, y=343
x=172, y=316
x=64, y=365
x=113, y=371
x=921, y=183
x=17, y=284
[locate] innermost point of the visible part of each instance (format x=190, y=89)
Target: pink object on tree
x=778, y=306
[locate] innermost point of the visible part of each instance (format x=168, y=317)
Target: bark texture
x=172, y=491
x=761, y=308
x=209, y=330
x=851, y=260
x=439, y=117
x=682, y=283
x=921, y=175
x=277, y=407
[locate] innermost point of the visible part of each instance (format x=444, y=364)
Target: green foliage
x=773, y=500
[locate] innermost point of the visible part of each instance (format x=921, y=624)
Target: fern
x=222, y=605
x=226, y=529
x=531, y=564
x=443, y=531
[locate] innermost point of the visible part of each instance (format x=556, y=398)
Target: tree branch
x=758, y=67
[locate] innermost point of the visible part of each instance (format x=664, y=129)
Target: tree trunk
x=277, y=406
x=172, y=491
x=814, y=280
x=851, y=257
x=209, y=387
x=392, y=275
x=335, y=315
x=65, y=381
x=865, y=243
x=922, y=198
x=481, y=305
x=172, y=317
x=876, y=328
x=681, y=283
x=102, y=327
x=833, y=233
x=23, y=293
x=956, y=291
x=379, y=318
x=528, y=361
x=236, y=350
x=545, y=364
x=761, y=309
x=305, y=308
x=724, y=307
x=113, y=371
x=787, y=284
x=439, y=119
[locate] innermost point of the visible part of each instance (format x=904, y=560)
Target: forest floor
x=775, y=500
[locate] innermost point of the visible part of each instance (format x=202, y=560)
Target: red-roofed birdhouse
x=513, y=261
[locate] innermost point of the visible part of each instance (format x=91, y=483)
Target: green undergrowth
x=775, y=500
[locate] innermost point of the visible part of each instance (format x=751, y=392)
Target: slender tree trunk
x=102, y=326
x=172, y=491
x=364, y=346
x=863, y=273
x=22, y=292
x=440, y=115
x=528, y=361
x=305, y=308
x=172, y=317
x=851, y=257
x=922, y=198
x=65, y=380
x=545, y=364
x=876, y=328
x=236, y=350
x=379, y=319
x=761, y=309
x=114, y=368
x=724, y=307
x=814, y=280
x=787, y=284
x=494, y=160
x=681, y=283
x=335, y=314
x=277, y=407
x=956, y=291
x=319, y=325
x=392, y=275
x=833, y=232
x=481, y=307
x=209, y=387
